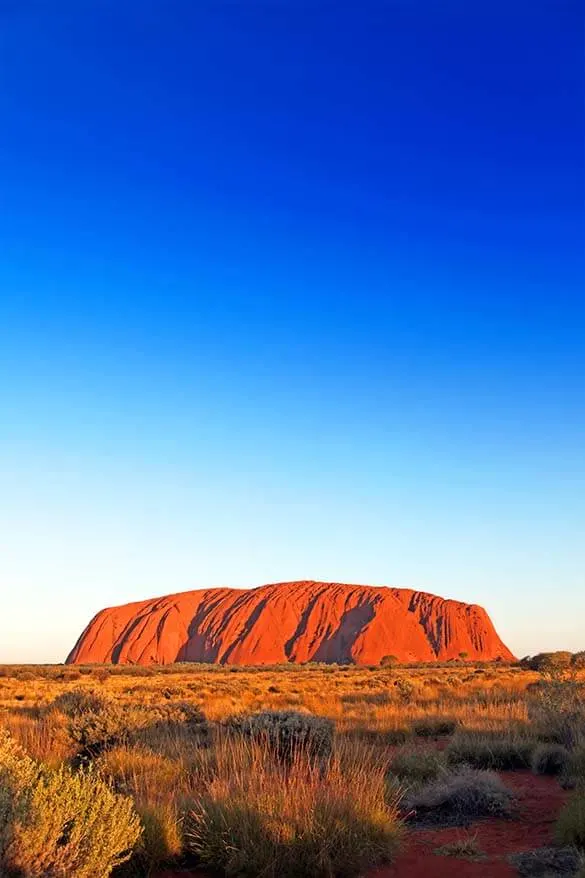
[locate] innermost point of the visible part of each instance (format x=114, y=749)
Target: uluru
x=290, y=622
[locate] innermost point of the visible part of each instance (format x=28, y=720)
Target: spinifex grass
x=259, y=816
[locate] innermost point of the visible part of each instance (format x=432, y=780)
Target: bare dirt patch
x=539, y=800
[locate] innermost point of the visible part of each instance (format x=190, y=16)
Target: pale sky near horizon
x=291, y=290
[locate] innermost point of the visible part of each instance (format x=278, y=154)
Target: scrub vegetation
x=319, y=770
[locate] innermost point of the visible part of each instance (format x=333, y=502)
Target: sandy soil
x=539, y=801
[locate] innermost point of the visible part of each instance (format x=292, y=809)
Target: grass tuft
x=550, y=759
x=493, y=752
x=260, y=816
x=467, y=846
x=570, y=825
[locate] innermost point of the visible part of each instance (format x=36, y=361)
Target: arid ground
x=320, y=770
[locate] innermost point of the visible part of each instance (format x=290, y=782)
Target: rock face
x=289, y=622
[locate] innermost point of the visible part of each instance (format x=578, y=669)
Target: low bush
x=285, y=732
x=256, y=816
x=550, y=663
x=97, y=722
x=434, y=726
x=171, y=713
x=78, y=701
x=570, y=825
x=490, y=751
x=574, y=773
x=388, y=661
x=460, y=797
x=94, y=731
x=94, y=721
x=547, y=862
x=102, y=674
x=405, y=690
x=69, y=675
x=391, y=737
x=557, y=711
x=58, y=824
x=180, y=722
x=550, y=759
x=418, y=765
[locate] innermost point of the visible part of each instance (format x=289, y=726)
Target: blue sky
x=291, y=290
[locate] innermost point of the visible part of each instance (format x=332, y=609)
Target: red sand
x=290, y=622
x=539, y=801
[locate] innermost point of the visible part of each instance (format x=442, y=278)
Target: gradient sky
x=291, y=289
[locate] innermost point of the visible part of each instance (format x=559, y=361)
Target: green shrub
x=94, y=731
x=96, y=722
x=69, y=675
x=557, y=711
x=574, y=773
x=547, y=862
x=550, y=663
x=285, y=732
x=550, y=759
x=405, y=690
x=388, y=661
x=461, y=796
x=102, y=674
x=181, y=722
x=418, y=765
x=169, y=713
x=59, y=824
x=434, y=727
x=79, y=701
x=570, y=825
x=490, y=751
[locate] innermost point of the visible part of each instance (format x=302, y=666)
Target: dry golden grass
x=258, y=816
x=43, y=737
x=187, y=779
